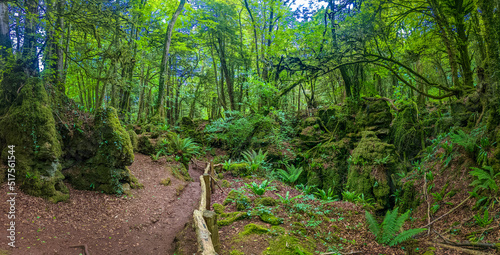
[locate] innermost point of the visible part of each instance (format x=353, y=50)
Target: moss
x=239, y=169
x=229, y=218
x=286, y=244
x=145, y=146
x=271, y=219
x=299, y=228
x=30, y=126
x=180, y=172
x=370, y=167
x=165, y=182
x=253, y=229
x=277, y=230
x=179, y=189
x=133, y=139
x=107, y=170
x=218, y=208
x=409, y=196
x=266, y=201
x=220, y=176
x=225, y=184
x=236, y=252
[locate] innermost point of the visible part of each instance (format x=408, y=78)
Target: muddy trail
x=144, y=223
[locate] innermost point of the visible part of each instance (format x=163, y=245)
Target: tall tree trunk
x=491, y=19
x=29, y=43
x=164, y=59
x=255, y=37
x=227, y=74
x=5, y=43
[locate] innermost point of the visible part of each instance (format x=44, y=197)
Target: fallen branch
x=468, y=244
x=459, y=250
x=434, y=221
x=391, y=102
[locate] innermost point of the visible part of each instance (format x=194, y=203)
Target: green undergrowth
x=297, y=223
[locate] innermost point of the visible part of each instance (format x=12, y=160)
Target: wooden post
x=212, y=173
x=206, y=180
x=210, y=218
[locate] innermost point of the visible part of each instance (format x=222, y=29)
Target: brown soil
x=144, y=223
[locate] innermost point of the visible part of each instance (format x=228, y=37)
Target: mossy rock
x=277, y=230
x=409, y=196
x=165, y=182
x=252, y=228
x=265, y=201
x=145, y=146
x=375, y=116
x=331, y=168
x=107, y=170
x=30, y=126
x=218, y=208
x=370, y=169
x=271, y=219
x=225, y=184
x=286, y=244
x=228, y=218
x=180, y=172
x=239, y=169
x=133, y=139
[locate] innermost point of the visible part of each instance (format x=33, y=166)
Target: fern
x=484, y=220
x=291, y=175
x=387, y=232
x=254, y=159
x=485, y=178
x=183, y=149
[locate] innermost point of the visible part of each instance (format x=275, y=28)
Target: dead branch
x=434, y=221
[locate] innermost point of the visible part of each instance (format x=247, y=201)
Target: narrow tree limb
x=467, y=244
x=434, y=221
x=458, y=249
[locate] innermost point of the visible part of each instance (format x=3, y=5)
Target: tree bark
x=5, y=43
x=164, y=59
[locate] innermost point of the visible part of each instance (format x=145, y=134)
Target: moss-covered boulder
x=106, y=171
x=286, y=244
x=239, y=169
x=252, y=228
x=370, y=167
x=228, y=218
x=375, y=116
x=133, y=139
x=29, y=125
x=145, y=146
x=271, y=219
x=328, y=165
x=265, y=201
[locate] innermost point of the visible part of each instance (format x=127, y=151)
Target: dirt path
x=107, y=224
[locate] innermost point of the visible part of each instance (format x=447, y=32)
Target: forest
x=320, y=126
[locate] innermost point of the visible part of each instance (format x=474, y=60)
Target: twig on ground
x=434, y=221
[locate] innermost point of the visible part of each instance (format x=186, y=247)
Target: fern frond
x=372, y=224
x=389, y=228
x=405, y=235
